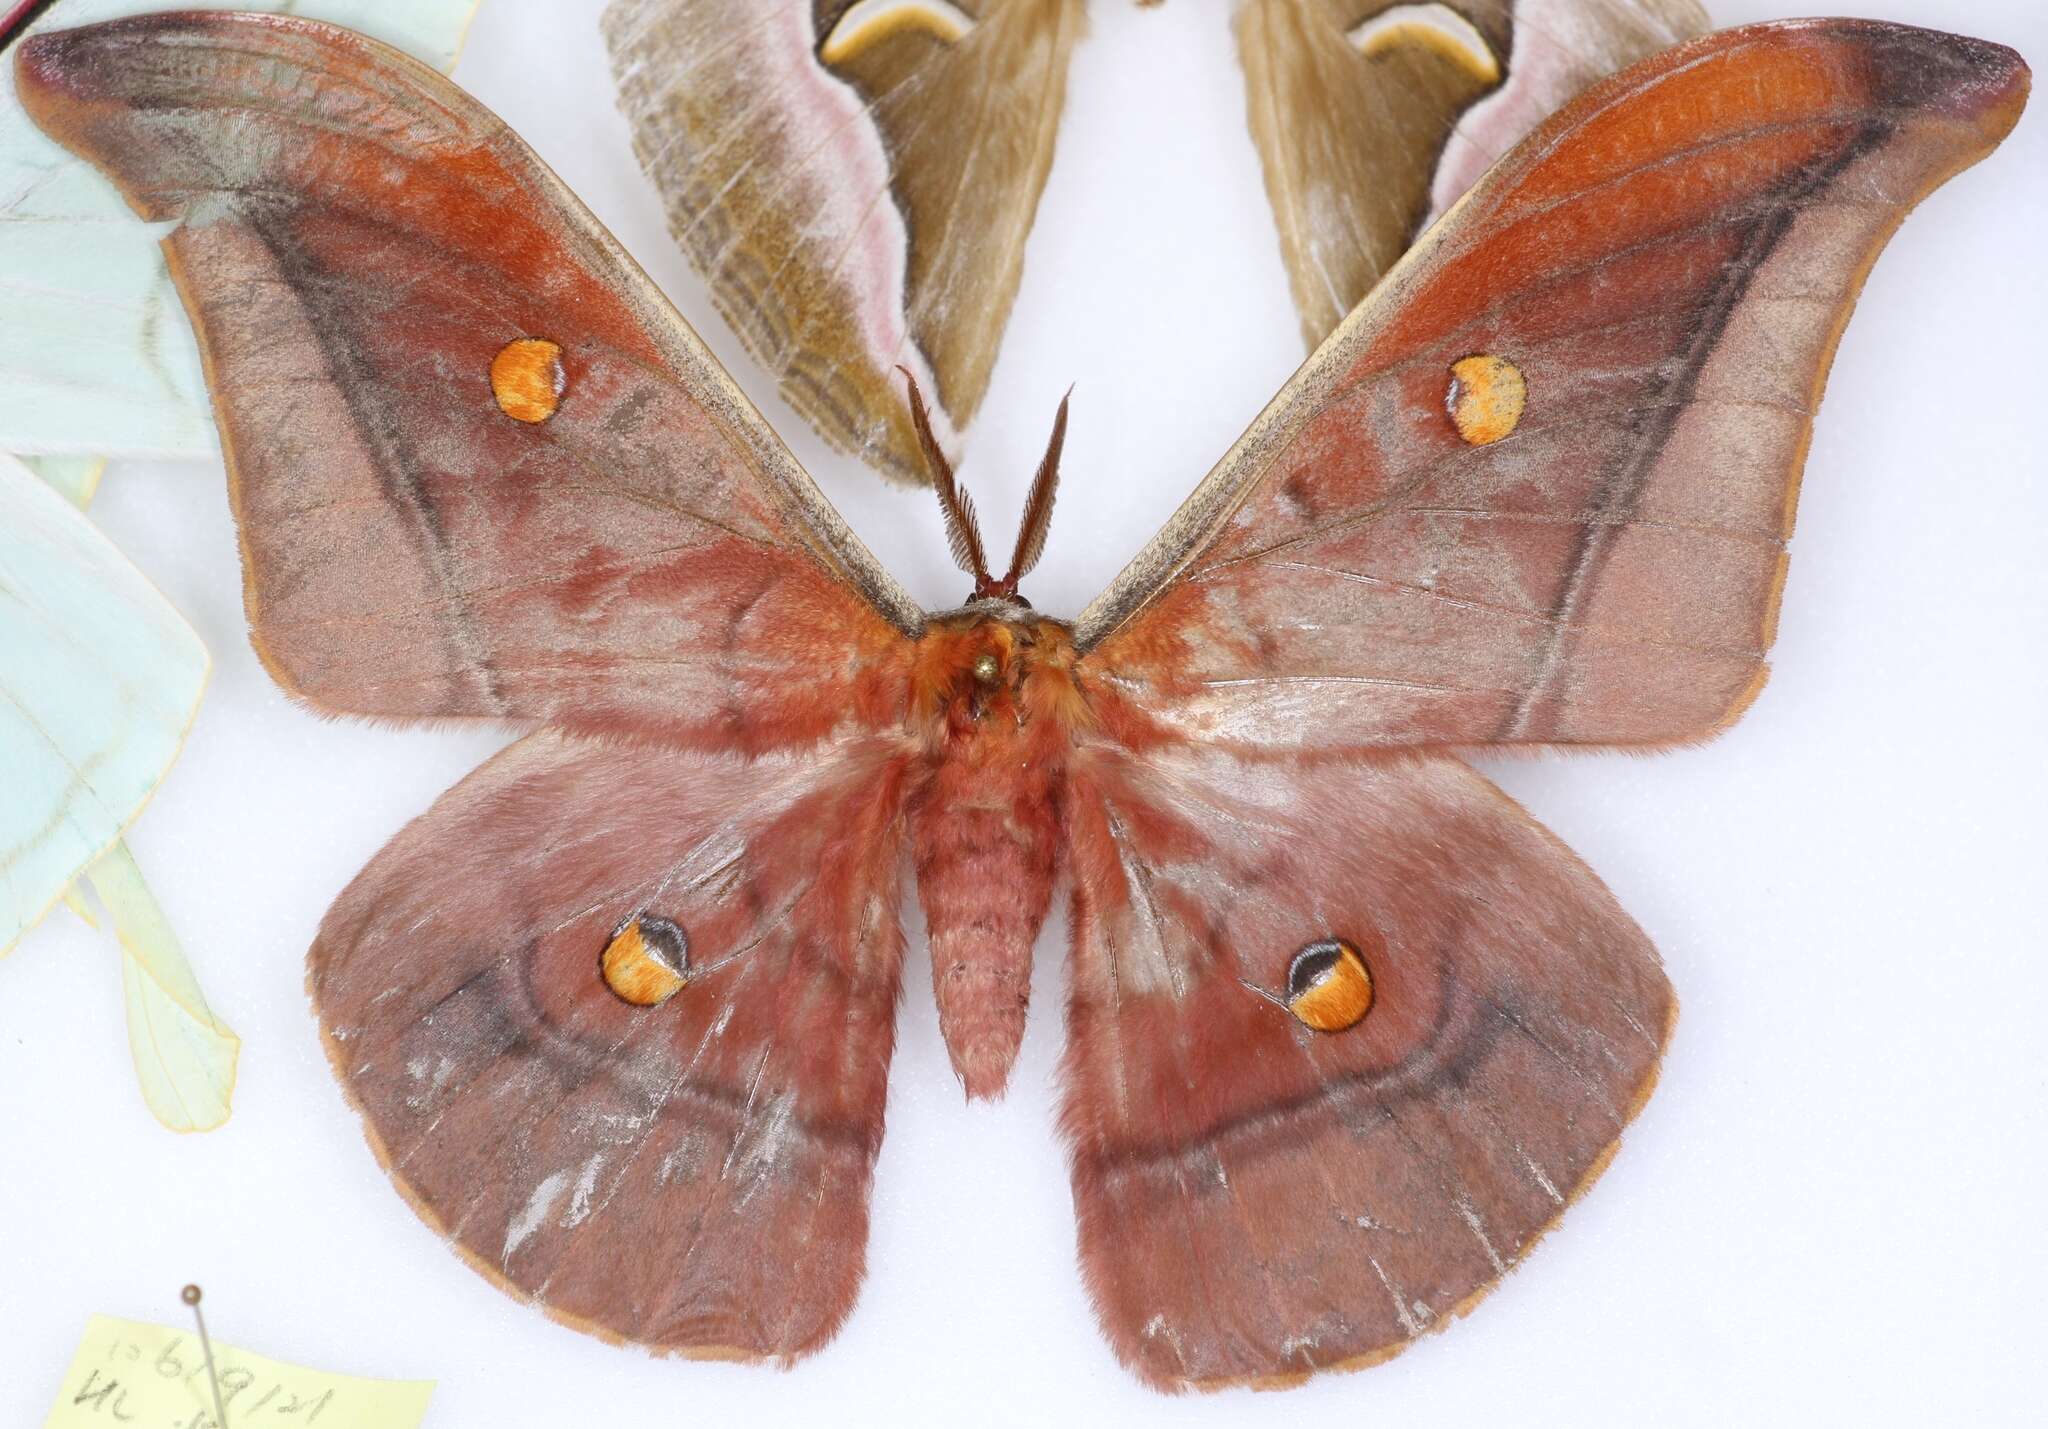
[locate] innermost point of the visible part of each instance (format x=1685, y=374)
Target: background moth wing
x=185, y=1056
x=1538, y=487
x=76, y=477
x=1371, y=117
x=100, y=679
x=855, y=180
x=1258, y=1200
x=93, y=356
x=479, y=465
x=690, y=1175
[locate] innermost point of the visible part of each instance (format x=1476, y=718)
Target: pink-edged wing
x=1663, y=270
x=1372, y=117
x=855, y=180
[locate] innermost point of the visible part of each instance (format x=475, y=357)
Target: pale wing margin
x=855, y=183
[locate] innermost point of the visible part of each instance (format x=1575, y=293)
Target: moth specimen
x=1346, y=1029
x=856, y=179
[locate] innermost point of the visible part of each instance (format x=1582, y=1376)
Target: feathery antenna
x=963, y=533
x=1038, y=506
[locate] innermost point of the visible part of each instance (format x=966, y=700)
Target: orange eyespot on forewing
x=527, y=379
x=1485, y=398
x=1329, y=987
x=647, y=962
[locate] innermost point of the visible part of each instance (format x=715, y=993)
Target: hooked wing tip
x=1980, y=81
x=64, y=77
x=42, y=64
x=140, y=61
x=78, y=63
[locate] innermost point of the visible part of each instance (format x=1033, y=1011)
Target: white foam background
x=1831, y=1210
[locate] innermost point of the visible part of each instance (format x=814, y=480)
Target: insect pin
x=192, y=1295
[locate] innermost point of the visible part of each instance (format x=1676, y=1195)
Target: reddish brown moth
x=1347, y=1030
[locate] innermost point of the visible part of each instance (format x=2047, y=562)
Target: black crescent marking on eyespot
x=1308, y=965
x=668, y=941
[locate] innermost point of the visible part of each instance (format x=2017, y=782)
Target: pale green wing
x=99, y=680
x=96, y=357
x=184, y=1055
x=78, y=477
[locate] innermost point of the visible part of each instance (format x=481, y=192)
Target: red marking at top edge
x=18, y=16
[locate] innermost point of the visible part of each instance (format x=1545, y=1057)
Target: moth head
x=996, y=660
x=963, y=531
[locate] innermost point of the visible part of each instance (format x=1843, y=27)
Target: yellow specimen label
x=126, y=1372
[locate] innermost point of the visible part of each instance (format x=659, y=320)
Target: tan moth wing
x=480, y=468
x=855, y=179
x=1537, y=489
x=1372, y=116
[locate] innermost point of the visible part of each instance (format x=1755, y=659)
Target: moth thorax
x=1329, y=987
x=647, y=962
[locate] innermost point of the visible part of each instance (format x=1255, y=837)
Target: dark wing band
x=692, y=1175
x=1538, y=487
x=480, y=466
x=1258, y=1200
